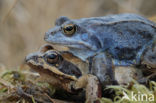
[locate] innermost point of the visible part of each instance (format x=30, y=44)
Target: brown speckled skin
x=122, y=39
x=63, y=74
x=57, y=74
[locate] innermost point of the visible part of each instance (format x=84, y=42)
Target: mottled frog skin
x=61, y=73
x=105, y=42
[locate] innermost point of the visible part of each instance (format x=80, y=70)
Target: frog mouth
x=41, y=70
x=73, y=44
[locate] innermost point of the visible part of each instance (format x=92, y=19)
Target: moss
x=133, y=89
x=20, y=84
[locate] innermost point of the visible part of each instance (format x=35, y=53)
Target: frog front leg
x=102, y=67
x=92, y=87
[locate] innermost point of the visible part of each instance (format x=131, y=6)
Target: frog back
x=124, y=37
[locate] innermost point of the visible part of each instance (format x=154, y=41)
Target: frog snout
x=46, y=36
x=30, y=57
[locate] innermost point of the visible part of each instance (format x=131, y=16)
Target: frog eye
x=52, y=58
x=69, y=29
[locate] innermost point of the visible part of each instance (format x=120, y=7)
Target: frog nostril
x=52, y=33
x=28, y=58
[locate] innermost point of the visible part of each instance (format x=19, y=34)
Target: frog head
x=77, y=35
x=53, y=67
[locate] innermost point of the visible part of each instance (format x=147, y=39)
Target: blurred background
x=24, y=22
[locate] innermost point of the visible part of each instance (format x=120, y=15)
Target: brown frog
x=61, y=73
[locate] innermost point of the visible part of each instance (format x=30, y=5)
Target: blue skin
x=120, y=40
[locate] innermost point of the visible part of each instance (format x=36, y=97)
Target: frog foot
x=92, y=87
